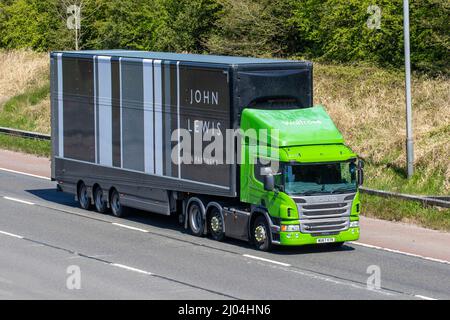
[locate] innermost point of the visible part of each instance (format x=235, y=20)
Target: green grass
x=20, y=112
x=393, y=209
x=32, y=146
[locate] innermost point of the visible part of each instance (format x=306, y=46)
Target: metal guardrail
x=440, y=201
x=24, y=134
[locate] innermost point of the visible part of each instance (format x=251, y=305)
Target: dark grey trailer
x=114, y=113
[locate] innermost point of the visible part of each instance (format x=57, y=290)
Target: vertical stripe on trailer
x=121, y=112
x=178, y=118
x=104, y=108
x=158, y=118
x=115, y=113
x=132, y=114
x=60, y=107
x=95, y=108
x=167, y=144
x=148, y=116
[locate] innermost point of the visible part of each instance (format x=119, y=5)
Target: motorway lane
x=213, y=269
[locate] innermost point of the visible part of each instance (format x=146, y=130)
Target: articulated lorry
x=232, y=145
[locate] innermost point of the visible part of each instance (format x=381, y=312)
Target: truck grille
x=325, y=214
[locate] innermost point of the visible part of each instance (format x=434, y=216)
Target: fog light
x=290, y=227
x=354, y=224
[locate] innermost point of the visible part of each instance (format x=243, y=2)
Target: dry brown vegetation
x=368, y=106
x=21, y=70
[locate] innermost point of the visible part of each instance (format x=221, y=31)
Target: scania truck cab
x=313, y=196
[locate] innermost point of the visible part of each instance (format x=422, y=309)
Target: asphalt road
x=147, y=256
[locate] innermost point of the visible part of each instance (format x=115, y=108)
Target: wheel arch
x=257, y=212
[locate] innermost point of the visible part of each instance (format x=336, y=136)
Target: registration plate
x=325, y=240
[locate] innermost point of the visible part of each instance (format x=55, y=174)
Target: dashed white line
x=129, y=227
x=11, y=234
x=267, y=260
x=400, y=252
x=18, y=200
x=131, y=268
x=423, y=297
x=24, y=173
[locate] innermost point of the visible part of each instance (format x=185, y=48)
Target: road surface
x=147, y=256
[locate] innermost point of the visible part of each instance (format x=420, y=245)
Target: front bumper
x=298, y=238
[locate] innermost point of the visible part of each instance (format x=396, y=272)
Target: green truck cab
x=313, y=197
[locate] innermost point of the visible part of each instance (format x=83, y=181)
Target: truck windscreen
x=308, y=179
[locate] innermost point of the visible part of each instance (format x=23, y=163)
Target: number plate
x=325, y=240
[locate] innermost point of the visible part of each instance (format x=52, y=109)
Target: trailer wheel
x=215, y=224
x=99, y=200
x=260, y=235
x=116, y=207
x=83, y=196
x=196, y=222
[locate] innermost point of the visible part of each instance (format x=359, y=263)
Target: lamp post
x=409, y=137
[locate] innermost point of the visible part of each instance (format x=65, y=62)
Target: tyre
x=116, y=207
x=100, y=200
x=215, y=225
x=83, y=197
x=260, y=234
x=196, y=221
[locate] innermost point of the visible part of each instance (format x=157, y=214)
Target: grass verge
x=32, y=146
x=405, y=211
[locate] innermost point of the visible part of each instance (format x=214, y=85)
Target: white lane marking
x=129, y=227
x=11, y=234
x=24, y=173
x=18, y=200
x=267, y=260
x=423, y=297
x=400, y=252
x=130, y=268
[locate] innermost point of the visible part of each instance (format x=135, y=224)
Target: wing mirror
x=360, y=172
x=269, y=180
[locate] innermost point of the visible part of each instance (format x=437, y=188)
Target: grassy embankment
x=366, y=103
x=368, y=106
x=24, y=99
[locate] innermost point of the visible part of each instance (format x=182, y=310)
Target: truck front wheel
x=196, y=221
x=260, y=234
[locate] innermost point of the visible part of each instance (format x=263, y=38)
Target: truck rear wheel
x=260, y=234
x=83, y=196
x=196, y=221
x=215, y=225
x=116, y=207
x=99, y=200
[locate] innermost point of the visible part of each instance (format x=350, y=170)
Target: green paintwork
x=309, y=126
x=304, y=135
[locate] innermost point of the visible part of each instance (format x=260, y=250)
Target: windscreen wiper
x=342, y=190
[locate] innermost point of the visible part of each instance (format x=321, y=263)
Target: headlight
x=354, y=224
x=290, y=227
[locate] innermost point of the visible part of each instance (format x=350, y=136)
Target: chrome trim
x=333, y=216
